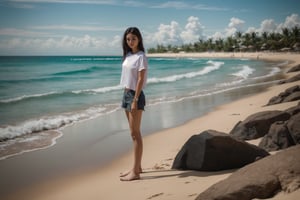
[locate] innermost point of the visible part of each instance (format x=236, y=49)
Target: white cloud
x=251, y=30
x=23, y=41
x=22, y=6
x=84, y=42
x=107, y=2
x=173, y=34
x=234, y=25
x=290, y=22
x=22, y=32
x=71, y=45
x=129, y=3
x=217, y=35
x=166, y=34
x=134, y=3
x=267, y=25
x=78, y=28
x=116, y=42
x=193, y=30
x=184, y=5
x=173, y=4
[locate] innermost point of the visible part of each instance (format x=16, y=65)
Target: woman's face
x=132, y=41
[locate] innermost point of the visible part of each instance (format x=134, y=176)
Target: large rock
x=261, y=179
x=290, y=94
x=294, y=69
x=282, y=134
x=277, y=138
x=294, y=127
x=292, y=97
x=293, y=110
x=258, y=124
x=212, y=151
x=292, y=79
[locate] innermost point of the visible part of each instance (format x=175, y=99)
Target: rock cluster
x=294, y=78
x=260, y=175
x=294, y=69
x=258, y=124
x=290, y=94
x=282, y=134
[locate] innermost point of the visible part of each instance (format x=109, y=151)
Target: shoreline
x=160, y=148
x=49, y=137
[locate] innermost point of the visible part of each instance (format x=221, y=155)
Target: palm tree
x=200, y=46
x=273, y=41
x=238, y=34
x=254, y=40
x=295, y=34
x=219, y=45
x=264, y=41
x=285, y=38
x=229, y=44
x=246, y=41
x=295, y=38
x=209, y=44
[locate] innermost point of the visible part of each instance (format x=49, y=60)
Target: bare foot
x=123, y=174
x=131, y=176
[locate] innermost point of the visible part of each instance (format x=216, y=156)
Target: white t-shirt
x=132, y=65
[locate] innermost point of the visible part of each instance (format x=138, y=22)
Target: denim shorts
x=128, y=97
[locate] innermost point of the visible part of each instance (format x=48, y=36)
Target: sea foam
x=99, y=90
x=245, y=72
x=214, y=65
x=49, y=123
x=23, y=97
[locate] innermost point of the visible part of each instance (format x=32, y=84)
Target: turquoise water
x=47, y=93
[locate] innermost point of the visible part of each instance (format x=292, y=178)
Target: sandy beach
x=159, y=181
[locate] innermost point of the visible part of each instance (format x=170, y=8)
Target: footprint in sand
x=158, y=167
x=155, y=195
x=191, y=195
x=162, y=165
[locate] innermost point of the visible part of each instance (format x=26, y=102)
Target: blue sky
x=95, y=27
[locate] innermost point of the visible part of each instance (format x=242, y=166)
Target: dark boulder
x=212, y=151
x=293, y=126
x=292, y=89
x=261, y=179
x=283, y=134
x=290, y=94
x=276, y=99
x=257, y=125
x=293, y=110
x=292, y=79
x=277, y=138
x=292, y=97
x=294, y=69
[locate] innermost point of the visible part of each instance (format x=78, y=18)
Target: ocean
x=41, y=95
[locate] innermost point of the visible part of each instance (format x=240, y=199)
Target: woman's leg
x=134, y=120
x=123, y=174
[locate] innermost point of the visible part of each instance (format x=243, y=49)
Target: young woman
x=133, y=78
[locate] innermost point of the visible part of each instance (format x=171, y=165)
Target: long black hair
x=135, y=31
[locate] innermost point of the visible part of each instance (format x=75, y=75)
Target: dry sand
x=158, y=180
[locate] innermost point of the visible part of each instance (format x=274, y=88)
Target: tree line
x=286, y=40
